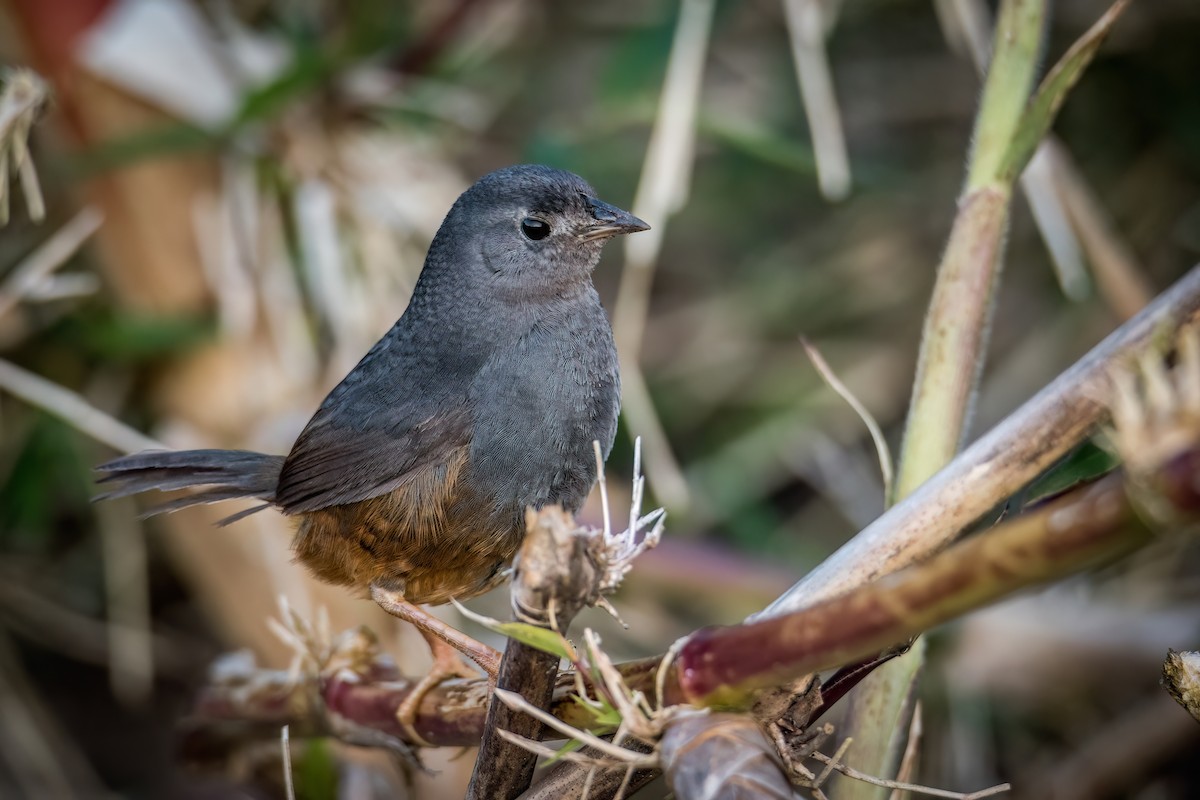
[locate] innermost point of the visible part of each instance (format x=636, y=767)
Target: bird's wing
x=343, y=457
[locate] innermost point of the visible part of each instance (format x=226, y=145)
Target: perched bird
x=411, y=481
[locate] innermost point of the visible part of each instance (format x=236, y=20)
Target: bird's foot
x=445, y=644
x=447, y=665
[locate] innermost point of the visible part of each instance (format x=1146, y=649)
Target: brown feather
x=429, y=538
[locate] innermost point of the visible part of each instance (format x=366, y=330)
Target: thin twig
x=912, y=750
x=850, y=772
x=49, y=256
x=546, y=751
x=518, y=703
x=823, y=775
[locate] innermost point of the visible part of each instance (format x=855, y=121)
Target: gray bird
x=411, y=480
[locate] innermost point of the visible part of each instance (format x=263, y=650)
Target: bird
x=411, y=480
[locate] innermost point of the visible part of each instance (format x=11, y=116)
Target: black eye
x=534, y=228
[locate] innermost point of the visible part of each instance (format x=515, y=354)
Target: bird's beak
x=609, y=221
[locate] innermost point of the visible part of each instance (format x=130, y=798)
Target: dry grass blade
x=315, y=208
x=23, y=96
x=1120, y=277
x=63, y=287
x=285, y=747
x=615, y=551
x=226, y=267
x=33, y=271
x=806, y=28
x=881, y=445
x=637, y=717
x=638, y=407
x=73, y=409
x=661, y=190
x=602, y=484
x=965, y=25
x=1054, y=224
x=825, y=772
x=31, y=614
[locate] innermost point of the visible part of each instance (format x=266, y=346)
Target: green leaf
x=762, y=145
x=570, y=746
x=169, y=139
x=543, y=639
x=1010, y=77
x=315, y=772
x=605, y=716
x=45, y=482
x=309, y=69
x=636, y=63
x=131, y=337
x=1087, y=463
x=1053, y=91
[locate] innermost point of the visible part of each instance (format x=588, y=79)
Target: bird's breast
x=538, y=405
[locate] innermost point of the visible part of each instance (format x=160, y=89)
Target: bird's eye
x=534, y=229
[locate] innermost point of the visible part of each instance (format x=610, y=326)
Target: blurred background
x=237, y=199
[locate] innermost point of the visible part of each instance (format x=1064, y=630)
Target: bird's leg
x=445, y=645
x=434, y=630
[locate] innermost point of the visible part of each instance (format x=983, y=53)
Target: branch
x=1090, y=526
x=553, y=580
x=998, y=464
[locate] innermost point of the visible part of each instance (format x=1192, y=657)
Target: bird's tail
x=230, y=474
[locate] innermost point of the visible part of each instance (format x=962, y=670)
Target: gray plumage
x=483, y=398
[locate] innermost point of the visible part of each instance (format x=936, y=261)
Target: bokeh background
x=238, y=198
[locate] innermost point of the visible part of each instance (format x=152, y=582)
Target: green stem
x=955, y=336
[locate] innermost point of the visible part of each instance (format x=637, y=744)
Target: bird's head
x=529, y=230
